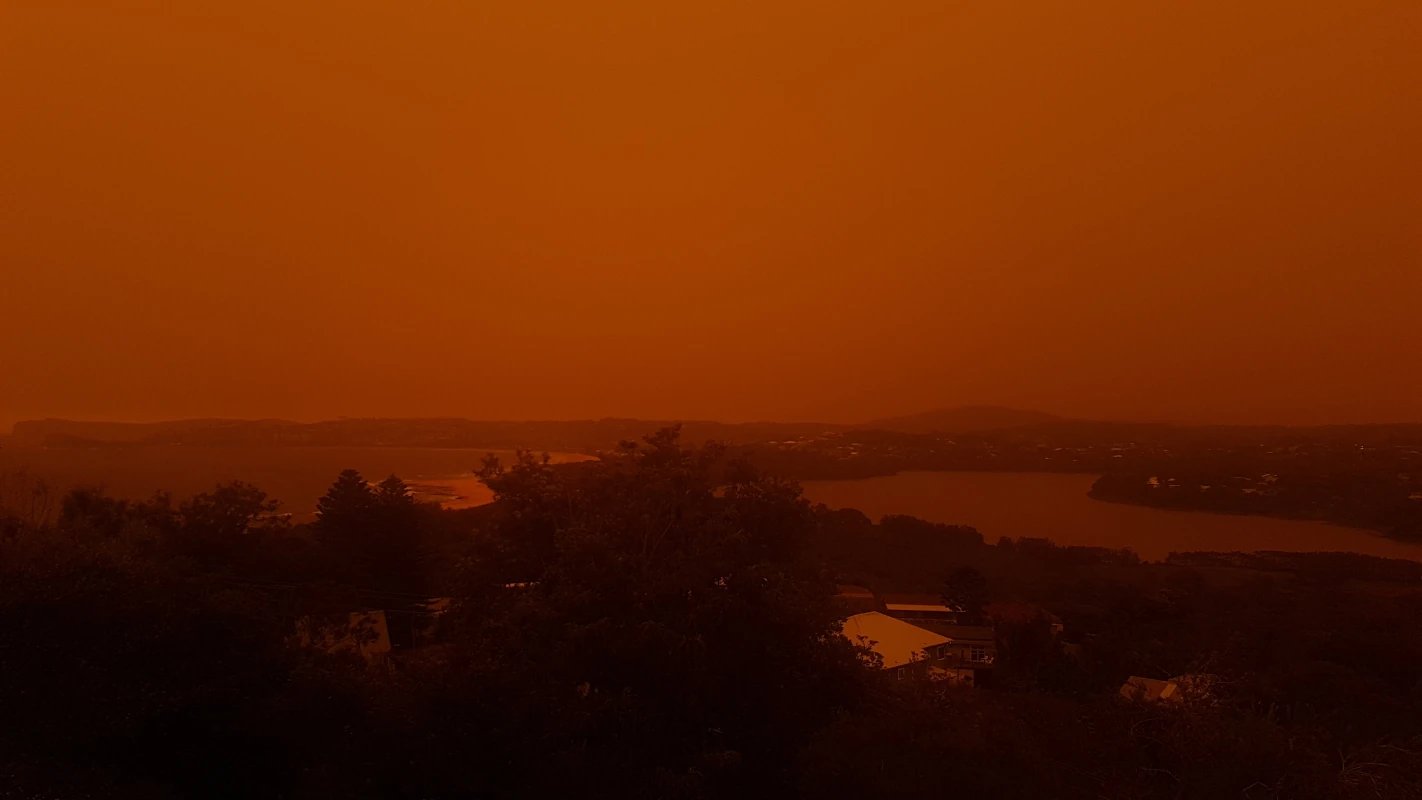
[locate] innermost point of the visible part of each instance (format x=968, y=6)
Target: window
x=900, y=673
x=941, y=650
x=978, y=654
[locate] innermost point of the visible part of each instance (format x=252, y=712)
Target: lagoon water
x=1056, y=506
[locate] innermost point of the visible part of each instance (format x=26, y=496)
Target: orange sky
x=782, y=209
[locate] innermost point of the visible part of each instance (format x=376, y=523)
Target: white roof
x=896, y=641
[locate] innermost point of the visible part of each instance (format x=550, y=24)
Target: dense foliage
x=661, y=623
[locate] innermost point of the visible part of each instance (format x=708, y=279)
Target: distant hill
x=75, y=433
x=590, y=436
x=963, y=419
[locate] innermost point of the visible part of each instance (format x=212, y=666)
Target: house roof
x=915, y=600
x=1175, y=690
x=896, y=641
x=850, y=590
x=916, y=607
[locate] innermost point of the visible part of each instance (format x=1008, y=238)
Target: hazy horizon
x=7, y=425
x=1204, y=212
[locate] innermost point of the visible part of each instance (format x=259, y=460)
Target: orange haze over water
x=1206, y=210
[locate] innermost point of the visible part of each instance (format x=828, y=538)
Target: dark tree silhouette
x=394, y=495
x=371, y=535
x=694, y=623
x=667, y=630
x=967, y=589
x=216, y=527
x=346, y=506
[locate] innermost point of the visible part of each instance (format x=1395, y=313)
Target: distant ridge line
x=591, y=435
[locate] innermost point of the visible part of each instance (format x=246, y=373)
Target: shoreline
x=1383, y=534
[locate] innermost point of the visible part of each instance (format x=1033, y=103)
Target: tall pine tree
x=372, y=534
x=346, y=508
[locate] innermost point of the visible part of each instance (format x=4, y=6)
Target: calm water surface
x=1055, y=506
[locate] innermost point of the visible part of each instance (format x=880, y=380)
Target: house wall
x=917, y=669
x=967, y=653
